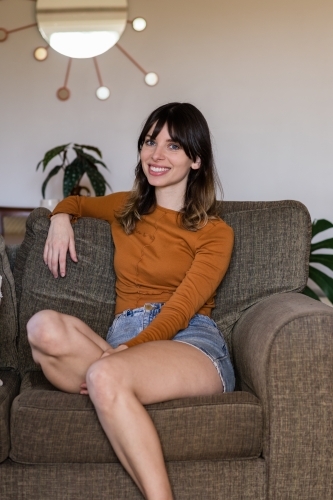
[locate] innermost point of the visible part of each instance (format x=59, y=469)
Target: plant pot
x=50, y=204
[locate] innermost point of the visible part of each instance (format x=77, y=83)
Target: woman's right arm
x=61, y=235
x=59, y=241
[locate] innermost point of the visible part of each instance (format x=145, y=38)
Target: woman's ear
x=196, y=164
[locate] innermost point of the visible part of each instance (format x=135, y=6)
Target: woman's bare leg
x=70, y=354
x=65, y=347
x=120, y=384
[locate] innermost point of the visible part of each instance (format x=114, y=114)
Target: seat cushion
x=8, y=312
x=49, y=426
x=8, y=390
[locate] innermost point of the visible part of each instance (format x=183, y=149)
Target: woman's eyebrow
x=149, y=136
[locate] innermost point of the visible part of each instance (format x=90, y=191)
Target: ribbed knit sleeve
x=101, y=207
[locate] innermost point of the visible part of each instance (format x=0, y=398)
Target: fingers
x=72, y=250
x=55, y=259
x=83, y=389
x=121, y=347
x=110, y=351
x=61, y=258
x=107, y=353
x=60, y=240
x=48, y=257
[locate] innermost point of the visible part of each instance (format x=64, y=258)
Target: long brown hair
x=188, y=127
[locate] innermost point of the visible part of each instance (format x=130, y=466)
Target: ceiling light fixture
x=83, y=29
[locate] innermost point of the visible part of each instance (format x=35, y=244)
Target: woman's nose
x=158, y=153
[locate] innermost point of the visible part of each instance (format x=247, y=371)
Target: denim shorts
x=202, y=333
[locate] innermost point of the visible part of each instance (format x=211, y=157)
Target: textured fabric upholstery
x=8, y=391
x=269, y=257
x=11, y=252
x=83, y=440
x=207, y=479
x=86, y=292
x=270, y=440
x=264, y=266
x=8, y=313
x=283, y=351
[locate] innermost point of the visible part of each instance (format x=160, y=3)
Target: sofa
x=270, y=439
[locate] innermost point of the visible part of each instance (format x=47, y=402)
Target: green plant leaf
x=323, y=281
x=322, y=244
x=89, y=158
x=310, y=293
x=320, y=225
x=97, y=180
x=53, y=172
x=91, y=148
x=325, y=259
x=73, y=175
x=49, y=155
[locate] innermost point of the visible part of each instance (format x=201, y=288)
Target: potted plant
x=83, y=163
x=317, y=255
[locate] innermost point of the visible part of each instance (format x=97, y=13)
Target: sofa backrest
x=271, y=255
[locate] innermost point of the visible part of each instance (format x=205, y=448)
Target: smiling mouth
x=158, y=170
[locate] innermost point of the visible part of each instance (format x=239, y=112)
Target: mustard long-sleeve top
x=161, y=262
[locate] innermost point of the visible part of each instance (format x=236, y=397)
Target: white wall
x=261, y=71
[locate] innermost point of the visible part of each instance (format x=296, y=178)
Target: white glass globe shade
x=139, y=24
x=151, y=79
x=83, y=44
x=103, y=93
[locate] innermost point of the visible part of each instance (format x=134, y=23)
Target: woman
x=171, y=252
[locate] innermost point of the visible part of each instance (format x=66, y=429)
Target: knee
x=107, y=381
x=40, y=329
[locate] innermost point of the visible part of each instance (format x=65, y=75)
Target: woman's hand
x=59, y=241
x=108, y=352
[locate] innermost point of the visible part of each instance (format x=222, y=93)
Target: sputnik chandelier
x=82, y=29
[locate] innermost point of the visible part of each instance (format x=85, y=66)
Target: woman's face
x=165, y=163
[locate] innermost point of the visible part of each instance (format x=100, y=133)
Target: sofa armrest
x=283, y=351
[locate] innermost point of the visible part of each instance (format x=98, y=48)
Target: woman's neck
x=168, y=198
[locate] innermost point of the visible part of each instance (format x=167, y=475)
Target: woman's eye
x=174, y=147
x=150, y=142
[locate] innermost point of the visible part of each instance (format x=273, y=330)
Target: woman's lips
x=156, y=170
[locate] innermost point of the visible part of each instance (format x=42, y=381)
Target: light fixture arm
x=131, y=58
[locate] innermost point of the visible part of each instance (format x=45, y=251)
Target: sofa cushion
x=8, y=313
x=270, y=256
x=8, y=390
x=86, y=292
x=49, y=426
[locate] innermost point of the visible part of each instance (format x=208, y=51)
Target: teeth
x=158, y=169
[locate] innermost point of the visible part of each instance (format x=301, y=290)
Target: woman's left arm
x=212, y=257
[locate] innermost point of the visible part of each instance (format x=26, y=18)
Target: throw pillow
x=87, y=291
